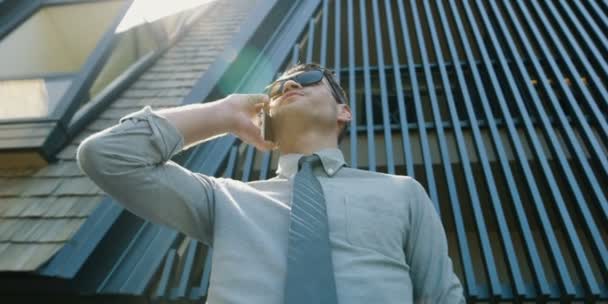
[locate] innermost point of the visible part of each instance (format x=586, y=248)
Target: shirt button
x=330, y=171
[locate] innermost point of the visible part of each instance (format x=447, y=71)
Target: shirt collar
x=331, y=158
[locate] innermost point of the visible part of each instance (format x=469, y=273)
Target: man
x=383, y=243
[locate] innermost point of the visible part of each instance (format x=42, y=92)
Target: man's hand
x=245, y=122
x=236, y=114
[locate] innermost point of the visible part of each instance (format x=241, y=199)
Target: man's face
x=299, y=109
x=303, y=100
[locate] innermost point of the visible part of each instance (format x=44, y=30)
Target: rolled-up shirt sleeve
x=131, y=161
x=426, y=251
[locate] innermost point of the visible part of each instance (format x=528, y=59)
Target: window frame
x=69, y=116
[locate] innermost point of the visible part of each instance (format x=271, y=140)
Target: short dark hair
x=340, y=96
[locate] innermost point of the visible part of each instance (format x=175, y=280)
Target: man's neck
x=307, y=144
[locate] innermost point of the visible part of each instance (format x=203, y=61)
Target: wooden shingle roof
x=41, y=209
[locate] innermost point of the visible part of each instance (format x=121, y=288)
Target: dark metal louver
x=499, y=109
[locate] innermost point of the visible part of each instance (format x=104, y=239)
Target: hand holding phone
x=246, y=120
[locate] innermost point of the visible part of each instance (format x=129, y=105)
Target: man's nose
x=290, y=85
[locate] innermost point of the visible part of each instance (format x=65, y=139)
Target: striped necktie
x=310, y=272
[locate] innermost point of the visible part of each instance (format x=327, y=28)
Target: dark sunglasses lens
x=305, y=78
x=309, y=77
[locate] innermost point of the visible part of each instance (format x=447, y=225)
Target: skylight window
x=41, y=56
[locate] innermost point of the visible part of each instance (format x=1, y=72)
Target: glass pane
x=40, y=57
x=29, y=98
x=56, y=39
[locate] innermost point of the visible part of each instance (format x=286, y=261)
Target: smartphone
x=265, y=122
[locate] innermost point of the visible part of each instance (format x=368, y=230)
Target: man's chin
x=288, y=109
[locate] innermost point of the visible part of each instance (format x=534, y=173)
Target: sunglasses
x=307, y=78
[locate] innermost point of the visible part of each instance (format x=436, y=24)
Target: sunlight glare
x=142, y=11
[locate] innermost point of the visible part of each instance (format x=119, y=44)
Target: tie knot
x=311, y=160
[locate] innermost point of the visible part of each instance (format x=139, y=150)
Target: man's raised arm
x=131, y=162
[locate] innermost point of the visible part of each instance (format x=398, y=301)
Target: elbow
x=98, y=159
x=111, y=158
x=88, y=157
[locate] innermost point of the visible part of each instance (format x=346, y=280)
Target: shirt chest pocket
x=373, y=224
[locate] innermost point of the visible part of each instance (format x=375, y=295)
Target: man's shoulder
x=401, y=183
x=269, y=184
x=355, y=172
x=386, y=179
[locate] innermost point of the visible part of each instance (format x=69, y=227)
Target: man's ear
x=344, y=114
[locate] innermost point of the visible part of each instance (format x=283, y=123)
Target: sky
x=151, y=10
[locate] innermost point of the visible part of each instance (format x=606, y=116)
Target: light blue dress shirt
x=388, y=243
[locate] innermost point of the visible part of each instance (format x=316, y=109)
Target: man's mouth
x=287, y=95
